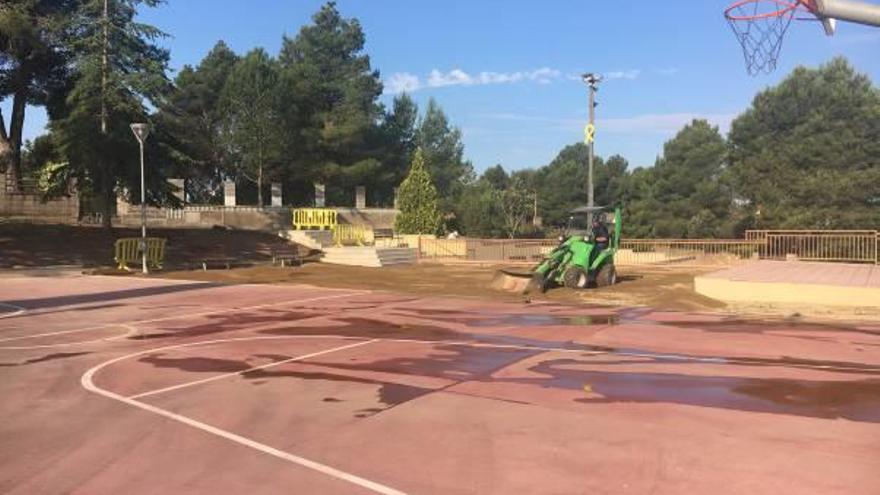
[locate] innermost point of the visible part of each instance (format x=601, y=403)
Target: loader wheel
x=607, y=275
x=575, y=277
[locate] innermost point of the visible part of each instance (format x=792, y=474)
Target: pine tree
x=417, y=201
x=118, y=70
x=251, y=125
x=188, y=125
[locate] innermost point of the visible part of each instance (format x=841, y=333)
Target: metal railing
x=857, y=246
x=654, y=251
x=860, y=246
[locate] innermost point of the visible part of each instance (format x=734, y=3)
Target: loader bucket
x=518, y=282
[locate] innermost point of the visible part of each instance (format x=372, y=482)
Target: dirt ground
x=666, y=289
x=25, y=246
x=663, y=288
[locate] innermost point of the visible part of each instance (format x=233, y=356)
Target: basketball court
x=131, y=385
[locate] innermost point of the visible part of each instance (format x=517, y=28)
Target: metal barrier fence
x=859, y=246
x=658, y=251
x=845, y=246
x=313, y=218
x=631, y=251
x=348, y=235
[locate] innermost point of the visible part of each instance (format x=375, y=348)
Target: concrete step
x=313, y=239
x=369, y=256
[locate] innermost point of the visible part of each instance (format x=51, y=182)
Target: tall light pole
x=592, y=80
x=141, y=131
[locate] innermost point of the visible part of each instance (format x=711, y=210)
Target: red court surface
x=125, y=385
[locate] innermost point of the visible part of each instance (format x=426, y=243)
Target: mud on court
x=264, y=389
x=668, y=288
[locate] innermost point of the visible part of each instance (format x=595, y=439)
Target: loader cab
x=578, y=222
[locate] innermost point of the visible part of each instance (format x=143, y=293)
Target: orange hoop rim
x=785, y=7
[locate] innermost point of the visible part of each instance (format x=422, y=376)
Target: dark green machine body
x=575, y=264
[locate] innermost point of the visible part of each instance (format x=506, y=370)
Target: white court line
x=88, y=383
x=177, y=317
x=255, y=368
x=17, y=310
x=131, y=331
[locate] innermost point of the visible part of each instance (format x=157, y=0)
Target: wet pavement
x=425, y=395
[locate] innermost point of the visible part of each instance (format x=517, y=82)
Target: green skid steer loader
x=575, y=263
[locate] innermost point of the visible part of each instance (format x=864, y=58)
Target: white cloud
x=401, y=82
x=404, y=81
x=623, y=74
x=663, y=123
x=669, y=71
x=630, y=74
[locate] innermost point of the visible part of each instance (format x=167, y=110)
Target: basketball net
x=760, y=26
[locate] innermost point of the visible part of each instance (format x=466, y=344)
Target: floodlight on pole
x=592, y=80
x=141, y=131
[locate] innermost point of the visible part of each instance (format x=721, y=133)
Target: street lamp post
x=141, y=131
x=592, y=80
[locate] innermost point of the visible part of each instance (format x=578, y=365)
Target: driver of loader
x=600, y=234
x=600, y=237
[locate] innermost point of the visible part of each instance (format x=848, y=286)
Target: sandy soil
x=27, y=246
x=656, y=287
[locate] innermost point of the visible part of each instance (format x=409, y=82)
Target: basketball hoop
x=760, y=26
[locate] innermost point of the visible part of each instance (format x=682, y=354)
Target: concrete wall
x=31, y=208
x=238, y=217
x=377, y=218
x=270, y=219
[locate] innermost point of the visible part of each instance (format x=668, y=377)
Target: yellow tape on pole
x=589, y=133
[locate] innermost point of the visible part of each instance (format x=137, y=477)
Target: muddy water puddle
x=479, y=319
x=856, y=400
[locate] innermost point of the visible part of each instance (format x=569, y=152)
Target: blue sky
x=504, y=70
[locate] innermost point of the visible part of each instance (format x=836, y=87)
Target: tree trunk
x=260, y=175
x=16, y=127
x=5, y=146
x=107, y=197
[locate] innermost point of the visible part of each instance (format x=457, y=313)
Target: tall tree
x=251, y=121
x=444, y=153
x=34, y=65
x=515, y=203
x=399, y=131
x=496, y=177
x=119, y=69
x=330, y=101
x=685, y=196
x=806, y=154
x=417, y=201
x=189, y=124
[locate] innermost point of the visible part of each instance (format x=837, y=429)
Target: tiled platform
x=836, y=284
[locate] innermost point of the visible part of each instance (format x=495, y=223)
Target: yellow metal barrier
x=127, y=251
x=344, y=234
x=314, y=218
